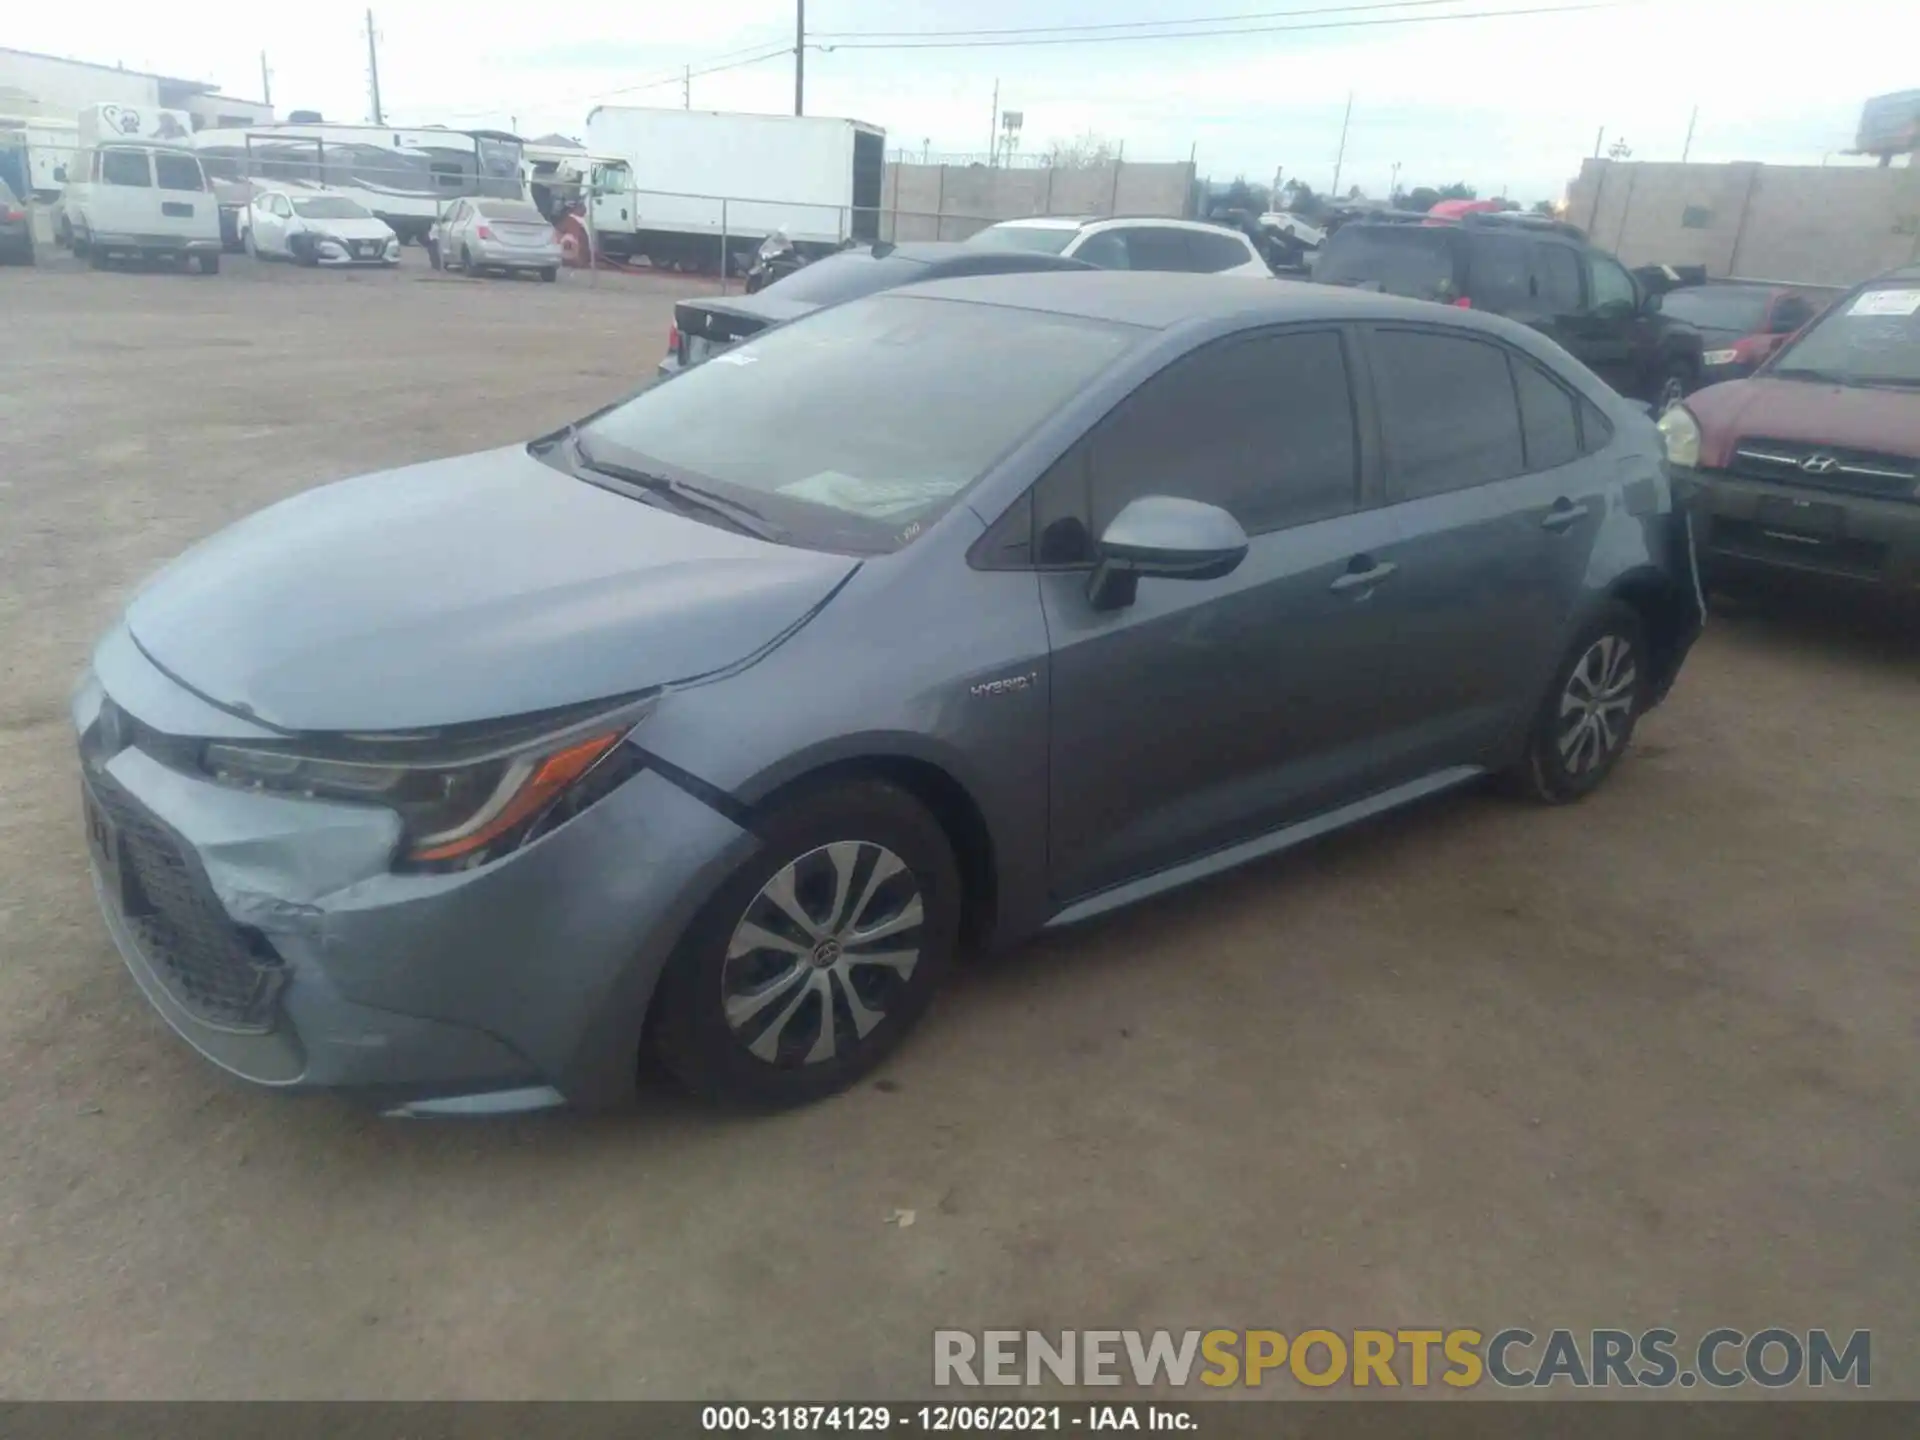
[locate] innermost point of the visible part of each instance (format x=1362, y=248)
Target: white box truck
x=697, y=172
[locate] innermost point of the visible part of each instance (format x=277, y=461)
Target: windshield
x=1718, y=307
x=1874, y=338
x=845, y=277
x=1402, y=260
x=330, y=207
x=1043, y=239
x=854, y=428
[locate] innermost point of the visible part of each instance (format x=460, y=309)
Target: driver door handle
x=1563, y=516
x=1363, y=579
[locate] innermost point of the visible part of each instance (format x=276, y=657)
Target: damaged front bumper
x=272, y=935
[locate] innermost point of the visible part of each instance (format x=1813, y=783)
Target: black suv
x=1540, y=272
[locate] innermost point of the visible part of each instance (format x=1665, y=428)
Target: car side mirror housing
x=1163, y=537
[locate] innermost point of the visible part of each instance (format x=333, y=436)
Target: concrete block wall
x=950, y=202
x=1817, y=225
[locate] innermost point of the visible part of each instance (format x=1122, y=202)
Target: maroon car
x=1813, y=463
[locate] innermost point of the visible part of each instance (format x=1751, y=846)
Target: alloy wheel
x=1597, y=704
x=821, y=952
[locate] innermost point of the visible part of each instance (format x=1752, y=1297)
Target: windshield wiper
x=741, y=516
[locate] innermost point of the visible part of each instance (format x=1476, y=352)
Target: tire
x=208, y=264
x=247, y=244
x=821, y=845
x=96, y=257
x=1574, y=745
x=466, y=262
x=433, y=256
x=303, y=254
x=63, y=234
x=550, y=274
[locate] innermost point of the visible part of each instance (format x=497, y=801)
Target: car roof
x=1160, y=300
x=1043, y=222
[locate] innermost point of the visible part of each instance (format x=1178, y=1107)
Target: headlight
x=1682, y=435
x=463, y=801
x=1720, y=357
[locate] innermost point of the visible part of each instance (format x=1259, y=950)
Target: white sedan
x=316, y=229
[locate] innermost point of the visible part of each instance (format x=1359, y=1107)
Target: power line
x=1242, y=30
x=1122, y=24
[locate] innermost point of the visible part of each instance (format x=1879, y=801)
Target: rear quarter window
x=125, y=167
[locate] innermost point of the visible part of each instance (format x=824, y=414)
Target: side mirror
x=1166, y=538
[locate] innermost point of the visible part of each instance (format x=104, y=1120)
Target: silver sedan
x=480, y=235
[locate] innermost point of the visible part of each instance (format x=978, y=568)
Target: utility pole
x=1393, y=186
x=1598, y=137
x=1687, y=148
x=1341, y=158
x=686, y=90
x=266, y=81
x=800, y=57
x=993, y=127
x=373, y=71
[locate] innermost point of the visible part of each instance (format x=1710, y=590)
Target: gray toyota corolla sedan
x=713, y=725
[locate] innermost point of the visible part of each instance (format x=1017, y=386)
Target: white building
x=41, y=97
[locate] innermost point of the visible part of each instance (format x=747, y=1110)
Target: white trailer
x=697, y=174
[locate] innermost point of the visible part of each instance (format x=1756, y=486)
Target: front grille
x=1833, y=467
x=1751, y=540
x=225, y=973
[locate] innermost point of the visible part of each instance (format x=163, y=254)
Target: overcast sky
x=1506, y=104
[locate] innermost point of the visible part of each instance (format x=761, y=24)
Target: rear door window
x=1558, y=269
x=1412, y=260
x=1108, y=250
x=1153, y=248
x=1613, y=292
x=178, y=172
x=1500, y=272
x=1447, y=411
x=126, y=167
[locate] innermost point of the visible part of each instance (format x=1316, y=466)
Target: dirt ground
x=1648, y=1060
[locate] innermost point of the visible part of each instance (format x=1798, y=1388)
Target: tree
x=1543, y=207
x=1242, y=196
x=1088, y=152
x=1422, y=198
x=1458, y=190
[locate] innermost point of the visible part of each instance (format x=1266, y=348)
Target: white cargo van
x=133, y=188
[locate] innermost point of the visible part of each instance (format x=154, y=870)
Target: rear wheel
x=209, y=263
x=814, y=959
x=1589, y=714
x=550, y=274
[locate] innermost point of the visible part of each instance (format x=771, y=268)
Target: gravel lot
x=1649, y=1060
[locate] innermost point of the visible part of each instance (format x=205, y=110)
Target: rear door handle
x=1362, y=579
x=1563, y=516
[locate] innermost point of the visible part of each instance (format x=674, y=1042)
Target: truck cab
x=131, y=190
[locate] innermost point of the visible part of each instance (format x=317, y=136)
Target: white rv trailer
x=406, y=176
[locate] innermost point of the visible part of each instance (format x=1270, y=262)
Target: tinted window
x=1262, y=427
x=125, y=167
x=1214, y=253
x=330, y=207
x=1409, y=260
x=1595, y=429
x=1718, y=307
x=1447, y=410
x=507, y=212
x=1500, y=273
x=1548, y=417
x=1108, y=250
x=853, y=427
x=842, y=277
x=1612, y=286
x=178, y=172
x=1048, y=239
x=1559, y=271
x=1151, y=248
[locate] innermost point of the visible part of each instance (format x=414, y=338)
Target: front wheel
x=466, y=262
x=1584, y=725
x=814, y=959
x=209, y=263
x=550, y=274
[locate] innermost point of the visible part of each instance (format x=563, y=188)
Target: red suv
x=1813, y=463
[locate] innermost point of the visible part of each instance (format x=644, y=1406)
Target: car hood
x=1857, y=417
x=365, y=229
x=474, y=588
